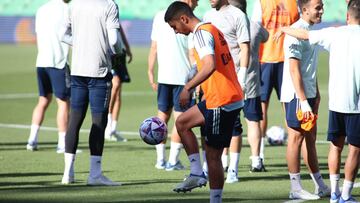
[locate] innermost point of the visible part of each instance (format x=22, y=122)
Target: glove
x=304, y=105
x=241, y=75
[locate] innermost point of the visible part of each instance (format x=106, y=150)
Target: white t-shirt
x=49, y=22
x=344, y=79
x=233, y=23
x=90, y=20
x=307, y=54
x=172, y=52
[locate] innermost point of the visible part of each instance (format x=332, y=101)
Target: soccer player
x=233, y=23
x=344, y=96
x=94, y=28
x=52, y=71
x=252, y=107
x=272, y=14
x=120, y=75
x=223, y=99
x=172, y=52
x=299, y=92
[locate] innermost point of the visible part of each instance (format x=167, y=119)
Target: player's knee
x=180, y=124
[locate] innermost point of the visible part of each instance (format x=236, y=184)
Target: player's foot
x=334, y=198
x=60, y=150
x=101, y=181
x=232, y=177
x=323, y=192
x=350, y=200
x=226, y=169
x=118, y=137
x=160, y=165
x=32, y=147
x=177, y=166
x=303, y=194
x=67, y=180
x=191, y=182
x=258, y=170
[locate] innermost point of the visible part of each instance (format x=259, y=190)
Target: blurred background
x=17, y=17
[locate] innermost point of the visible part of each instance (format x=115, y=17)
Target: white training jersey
x=344, y=63
x=172, y=52
x=90, y=21
x=307, y=54
x=49, y=21
x=233, y=23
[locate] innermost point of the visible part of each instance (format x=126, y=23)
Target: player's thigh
x=277, y=77
x=99, y=94
x=352, y=128
x=60, y=80
x=80, y=93
x=44, y=82
x=266, y=81
x=176, y=91
x=237, y=128
x=190, y=118
x=252, y=109
x=164, y=97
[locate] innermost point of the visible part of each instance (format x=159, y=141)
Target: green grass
x=35, y=176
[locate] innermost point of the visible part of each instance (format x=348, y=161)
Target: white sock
x=175, y=149
x=95, y=166
x=318, y=180
x=216, y=195
x=346, y=190
x=234, y=161
x=69, y=160
x=295, y=182
x=255, y=162
x=109, y=120
x=262, y=146
x=224, y=160
x=113, y=125
x=61, y=140
x=33, y=138
x=195, y=164
x=205, y=166
x=160, y=152
x=334, y=183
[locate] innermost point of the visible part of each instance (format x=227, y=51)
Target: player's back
x=90, y=20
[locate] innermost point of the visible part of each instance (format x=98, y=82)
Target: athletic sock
x=234, y=161
x=61, y=140
x=69, y=160
x=95, y=166
x=160, y=152
x=175, y=149
x=216, y=195
x=334, y=183
x=318, y=180
x=113, y=125
x=255, y=162
x=346, y=190
x=262, y=148
x=195, y=164
x=34, y=130
x=295, y=181
x=205, y=166
x=224, y=160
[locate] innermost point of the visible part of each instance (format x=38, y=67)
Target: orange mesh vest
x=222, y=87
x=276, y=14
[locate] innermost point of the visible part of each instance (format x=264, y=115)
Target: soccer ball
x=276, y=135
x=153, y=131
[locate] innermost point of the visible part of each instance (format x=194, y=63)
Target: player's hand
x=184, y=98
x=277, y=35
x=306, y=110
x=154, y=86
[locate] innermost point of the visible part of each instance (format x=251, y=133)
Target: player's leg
x=216, y=174
x=114, y=96
x=193, y=117
x=45, y=96
x=353, y=158
x=99, y=96
x=225, y=158
x=234, y=151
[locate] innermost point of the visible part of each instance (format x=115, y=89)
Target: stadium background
x=17, y=17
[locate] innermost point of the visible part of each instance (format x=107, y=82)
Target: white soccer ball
x=276, y=135
x=153, y=131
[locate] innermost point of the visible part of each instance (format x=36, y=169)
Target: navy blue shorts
x=291, y=109
x=120, y=69
x=54, y=80
x=96, y=91
x=218, y=126
x=344, y=124
x=252, y=109
x=237, y=129
x=168, y=97
x=271, y=77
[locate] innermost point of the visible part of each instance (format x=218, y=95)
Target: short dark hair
x=176, y=9
x=354, y=9
x=302, y=3
x=241, y=4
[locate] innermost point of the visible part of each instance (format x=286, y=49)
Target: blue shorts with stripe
x=168, y=98
x=291, y=109
x=218, y=126
x=252, y=109
x=344, y=124
x=271, y=77
x=53, y=80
